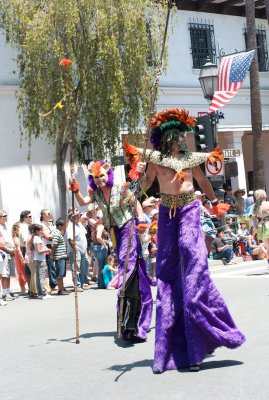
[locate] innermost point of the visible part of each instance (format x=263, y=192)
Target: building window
x=202, y=43
x=261, y=47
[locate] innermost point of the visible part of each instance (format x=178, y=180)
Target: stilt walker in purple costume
x=116, y=203
x=192, y=319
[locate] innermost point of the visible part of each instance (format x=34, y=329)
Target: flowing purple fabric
x=135, y=258
x=192, y=319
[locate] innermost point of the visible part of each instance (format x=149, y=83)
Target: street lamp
x=86, y=151
x=208, y=79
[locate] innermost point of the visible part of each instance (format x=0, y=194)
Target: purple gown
x=136, y=269
x=192, y=319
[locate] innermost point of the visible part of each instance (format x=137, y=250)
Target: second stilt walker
x=116, y=202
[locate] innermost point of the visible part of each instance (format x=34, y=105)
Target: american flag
x=232, y=74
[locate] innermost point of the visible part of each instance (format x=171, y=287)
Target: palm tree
x=255, y=100
x=267, y=9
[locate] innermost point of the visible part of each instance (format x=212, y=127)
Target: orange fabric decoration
x=220, y=209
x=215, y=155
x=65, y=62
x=141, y=227
x=173, y=114
x=131, y=152
x=180, y=176
x=133, y=174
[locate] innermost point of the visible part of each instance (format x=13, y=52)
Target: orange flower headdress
x=170, y=118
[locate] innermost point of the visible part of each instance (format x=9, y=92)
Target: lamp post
x=208, y=79
x=86, y=151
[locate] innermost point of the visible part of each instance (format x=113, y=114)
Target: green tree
x=255, y=100
x=113, y=45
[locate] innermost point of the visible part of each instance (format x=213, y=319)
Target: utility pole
x=255, y=100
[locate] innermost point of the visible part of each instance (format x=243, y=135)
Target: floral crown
x=170, y=118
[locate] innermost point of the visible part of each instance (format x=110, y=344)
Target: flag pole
x=152, y=108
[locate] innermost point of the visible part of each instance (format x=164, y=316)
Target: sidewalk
x=14, y=284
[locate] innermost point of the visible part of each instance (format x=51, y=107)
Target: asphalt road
x=40, y=360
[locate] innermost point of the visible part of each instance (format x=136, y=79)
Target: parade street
x=40, y=360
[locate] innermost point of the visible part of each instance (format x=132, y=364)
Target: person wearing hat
x=147, y=206
x=154, y=215
x=243, y=234
x=192, y=319
x=239, y=193
x=116, y=203
x=230, y=198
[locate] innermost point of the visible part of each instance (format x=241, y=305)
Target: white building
x=32, y=184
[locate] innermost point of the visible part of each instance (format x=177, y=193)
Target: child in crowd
x=109, y=271
x=153, y=247
x=59, y=255
x=40, y=251
x=29, y=260
x=18, y=257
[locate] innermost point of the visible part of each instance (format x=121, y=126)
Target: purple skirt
x=136, y=265
x=192, y=318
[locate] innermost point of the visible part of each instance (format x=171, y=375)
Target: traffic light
x=200, y=143
x=204, y=134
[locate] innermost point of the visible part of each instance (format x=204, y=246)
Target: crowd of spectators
x=234, y=235
x=37, y=253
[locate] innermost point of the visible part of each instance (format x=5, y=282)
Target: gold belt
x=176, y=201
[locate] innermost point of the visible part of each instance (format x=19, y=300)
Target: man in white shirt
x=79, y=246
x=7, y=264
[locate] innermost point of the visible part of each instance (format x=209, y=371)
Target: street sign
x=215, y=170
x=230, y=153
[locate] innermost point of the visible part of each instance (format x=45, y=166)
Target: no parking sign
x=215, y=170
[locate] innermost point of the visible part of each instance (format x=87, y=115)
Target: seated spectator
x=222, y=251
x=254, y=248
x=230, y=237
x=207, y=224
x=243, y=234
x=230, y=224
x=109, y=270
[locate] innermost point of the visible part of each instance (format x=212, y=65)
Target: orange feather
x=131, y=152
x=220, y=209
